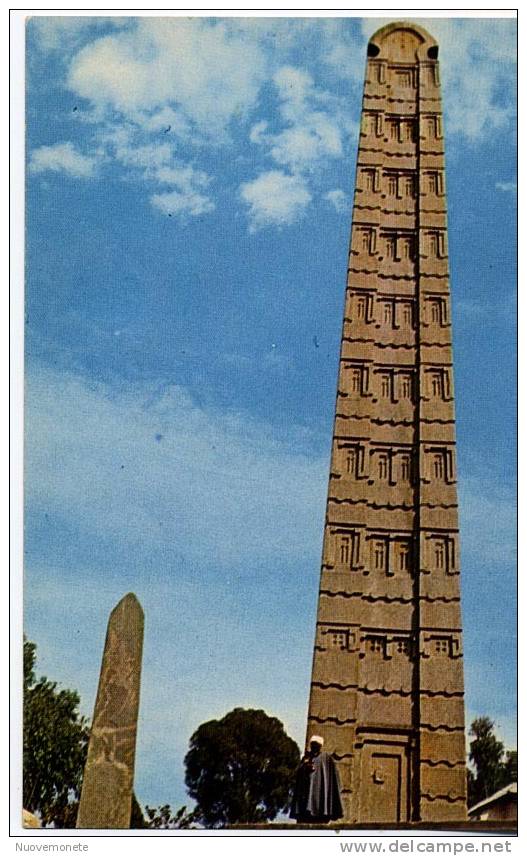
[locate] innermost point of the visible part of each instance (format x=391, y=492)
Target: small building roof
x=511, y=790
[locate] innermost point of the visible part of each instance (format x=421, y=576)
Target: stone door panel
x=384, y=791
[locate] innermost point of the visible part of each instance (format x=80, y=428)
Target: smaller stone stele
x=106, y=797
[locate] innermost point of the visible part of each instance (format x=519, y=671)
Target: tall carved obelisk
x=387, y=683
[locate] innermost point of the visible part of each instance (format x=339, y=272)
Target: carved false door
x=384, y=771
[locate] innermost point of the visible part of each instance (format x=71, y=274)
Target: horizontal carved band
x=444, y=797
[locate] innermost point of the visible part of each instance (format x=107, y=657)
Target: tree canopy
x=494, y=767
x=55, y=744
x=240, y=769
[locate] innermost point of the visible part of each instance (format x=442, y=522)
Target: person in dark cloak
x=316, y=797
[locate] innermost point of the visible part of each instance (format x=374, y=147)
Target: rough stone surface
x=29, y=820
x=387, y=684
x=106, y=797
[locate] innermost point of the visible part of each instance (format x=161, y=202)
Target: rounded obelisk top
x=402, y=42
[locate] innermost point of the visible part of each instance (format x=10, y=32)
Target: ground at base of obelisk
x=473, y=827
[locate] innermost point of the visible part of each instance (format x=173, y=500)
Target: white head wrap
x=316, y=739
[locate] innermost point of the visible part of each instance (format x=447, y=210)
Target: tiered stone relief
x=388, y=656
x=359, y=550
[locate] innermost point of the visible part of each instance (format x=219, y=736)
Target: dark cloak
x=316, y=798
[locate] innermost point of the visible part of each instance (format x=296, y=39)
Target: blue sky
x=189, y=193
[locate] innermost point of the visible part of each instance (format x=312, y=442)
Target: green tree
x=162, y=818
x=493, y=767
x=240, y=769
x=55, y=744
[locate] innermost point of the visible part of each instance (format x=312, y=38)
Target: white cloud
x=182, y=203
x=339, y=200
x=506, y=186
x=62, y=33
x=150, y=156
x=156, y=470
x=181, y=79
x=205, y=73
x=340, y=50
x=315, y=124
x=275, y=199
x=155, y=162
x=62, y=157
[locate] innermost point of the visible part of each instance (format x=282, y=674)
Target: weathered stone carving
x=106, y=797
x=387, y=686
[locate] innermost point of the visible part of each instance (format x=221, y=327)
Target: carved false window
x=434, y=183
x=441, y=465
x=345, y=550
x=407, y=247
x=442, y=645
x=356, y=380
x=446, y=383
x=392, y=129
x=407, y=315
x=369, y=124
x=431, y=75
x=387, y=313
x=436, y=310
x=405, y=386
x=369, y=179
x=339, y=639
x=408, y=132
x=355, y=461
x=401, y=646
x=380, y=554
x=400, y=130
x=383, y=466
x=438, y=465
x=348, y=550
x=366, y=240
x=376, y=645
x=433, y=244
x=437, y=384
x=386, y=385
x=361, y=308
x=406, y=465
x=398, y=245
x=405, y=555
x=442, y=554
x=392, y=184
x=436, y=244
x=409, y=186
x=403, y=77
x=431, y=127
x=391, y=247
x=380, y=74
